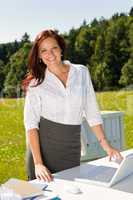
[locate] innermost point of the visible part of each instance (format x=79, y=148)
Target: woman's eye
x=55, y=47
x=43, y=51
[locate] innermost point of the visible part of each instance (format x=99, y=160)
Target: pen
x=45, y=188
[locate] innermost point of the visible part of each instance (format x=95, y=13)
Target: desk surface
x=121, y=191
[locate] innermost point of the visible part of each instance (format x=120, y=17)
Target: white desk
x=121, y=191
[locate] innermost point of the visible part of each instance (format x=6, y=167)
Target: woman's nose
x=50, y=53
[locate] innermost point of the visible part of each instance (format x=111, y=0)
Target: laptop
x=106, y=175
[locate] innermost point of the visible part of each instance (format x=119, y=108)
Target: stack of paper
x=23, y=188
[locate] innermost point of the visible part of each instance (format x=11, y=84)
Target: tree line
x=105, y=46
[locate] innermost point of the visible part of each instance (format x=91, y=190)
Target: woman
x=58, y=95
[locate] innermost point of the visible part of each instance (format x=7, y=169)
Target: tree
x=17, y=69
x=84, y=23
x=94, y=22
x=130, y=37
x=85, y=44
x=2, y=75
x=116, y=48
x=6, y=50
x=101, y=76
x=98, y=55
x=131, y=12
x=25, y=39
x=127, y=69
x=70, y=40
x=127, y=73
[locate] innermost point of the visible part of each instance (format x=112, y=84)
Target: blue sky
x=32, y=16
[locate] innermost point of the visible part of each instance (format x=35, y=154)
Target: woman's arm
x=41, y=171
x=99, y=132
x=94, y=118
x=34, y=146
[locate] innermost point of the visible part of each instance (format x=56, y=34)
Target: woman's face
x=50, y=52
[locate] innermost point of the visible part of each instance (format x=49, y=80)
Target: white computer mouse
x=73, y=189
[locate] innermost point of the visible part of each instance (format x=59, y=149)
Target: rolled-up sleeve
x=32, y=109
x=91, y=108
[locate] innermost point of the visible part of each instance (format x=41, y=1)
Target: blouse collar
x=71, y=70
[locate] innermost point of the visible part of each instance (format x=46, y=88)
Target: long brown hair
x=36, y=68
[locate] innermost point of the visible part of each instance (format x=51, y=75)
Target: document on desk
x=23, y=188
x=37, y=190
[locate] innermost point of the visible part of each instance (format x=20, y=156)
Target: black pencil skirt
x=60, y=147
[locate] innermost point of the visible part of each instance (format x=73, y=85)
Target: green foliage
x=127, y=69
x=84, y=45
x=17, y=69
x=2, y=75
x=13, y=58
x=116, y=44
x=127, y=73
x=70, y=41
x=131, y=12
x=25, y=39
x=99, y=49
x=6, y=50
x=101, y=76
x=103, y=43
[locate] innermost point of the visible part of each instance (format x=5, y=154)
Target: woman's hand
x=113, y=153
x=42, y=173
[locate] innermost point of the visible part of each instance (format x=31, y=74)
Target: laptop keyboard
x=102, y=174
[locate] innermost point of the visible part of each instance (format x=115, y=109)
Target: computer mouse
x=73, y=189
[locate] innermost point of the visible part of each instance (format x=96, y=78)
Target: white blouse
x=54, y=102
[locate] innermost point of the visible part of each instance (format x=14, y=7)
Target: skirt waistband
x=57, y=123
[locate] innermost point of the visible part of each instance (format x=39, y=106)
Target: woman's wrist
x=38, y=162
x=104, y=143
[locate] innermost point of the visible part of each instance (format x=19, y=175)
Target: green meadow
x=12, y=136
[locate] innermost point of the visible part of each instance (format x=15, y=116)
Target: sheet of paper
x=23, y=188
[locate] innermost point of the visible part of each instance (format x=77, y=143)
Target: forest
x=105, y=46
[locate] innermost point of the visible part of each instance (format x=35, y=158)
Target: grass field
x=12, y=136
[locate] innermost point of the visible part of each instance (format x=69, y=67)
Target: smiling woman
x=50, y=54
x=58, y=94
